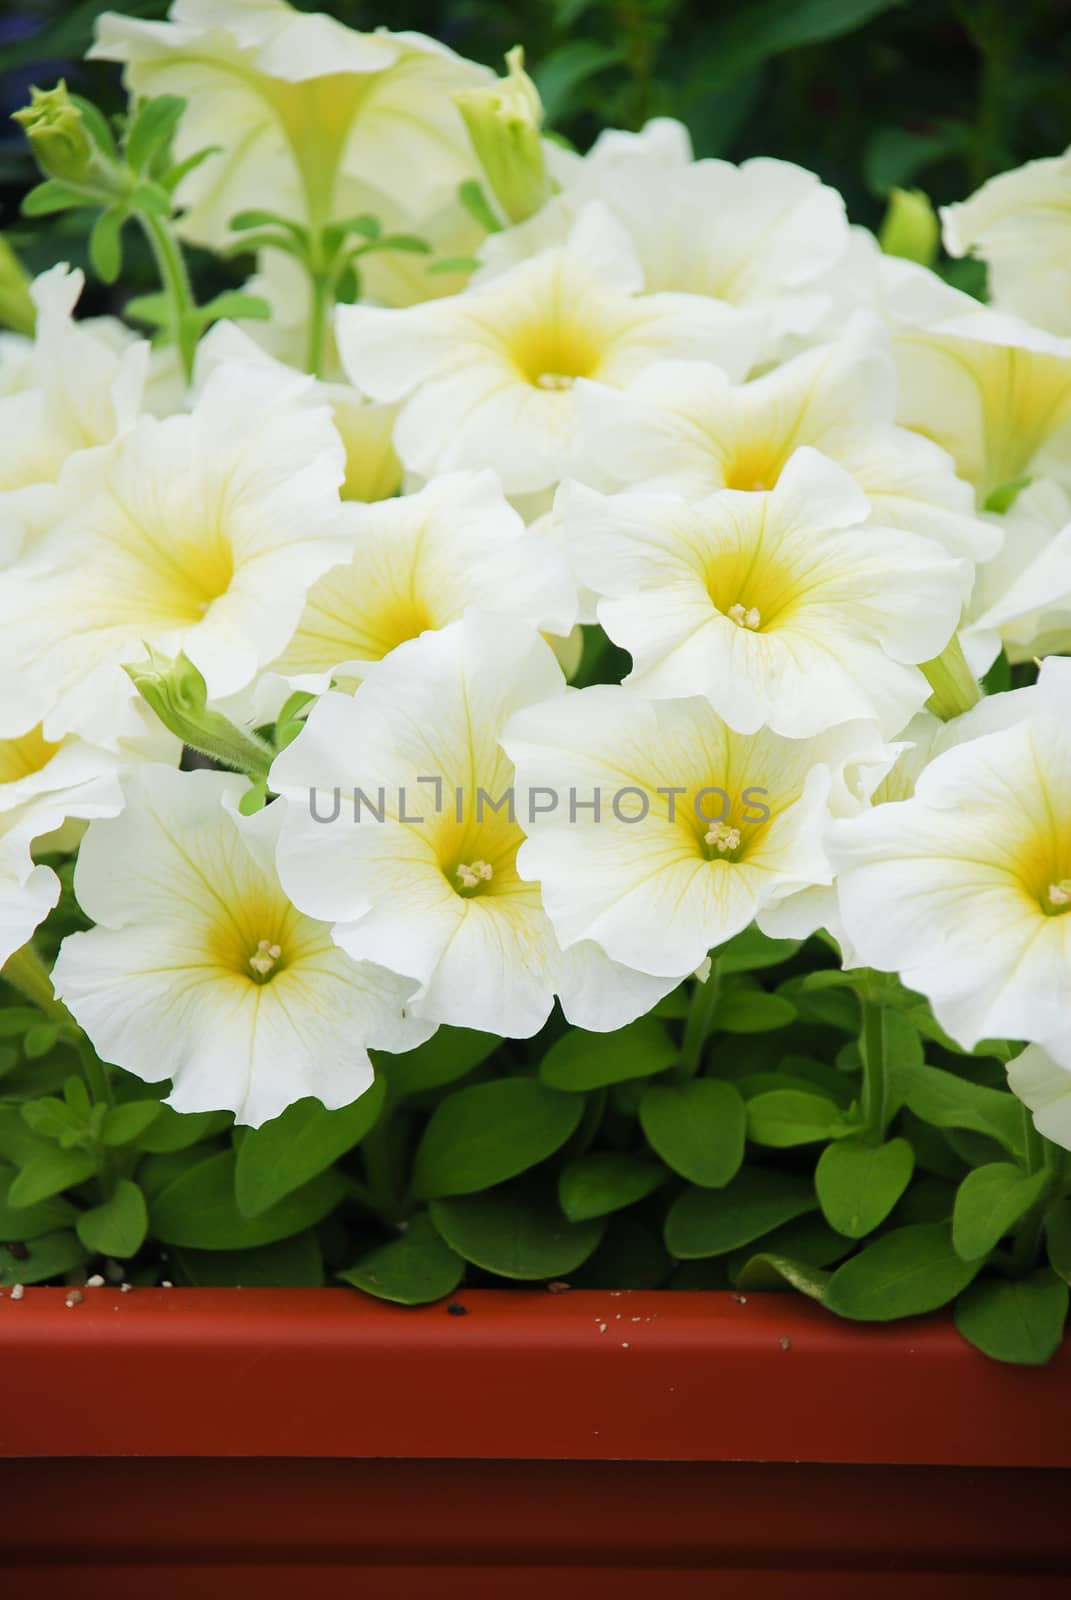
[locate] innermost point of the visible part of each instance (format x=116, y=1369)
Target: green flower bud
x=910, y=228
x=177, y=693
x=56, y=130
x=17, y=309
x=955, y=688
x=504, y=124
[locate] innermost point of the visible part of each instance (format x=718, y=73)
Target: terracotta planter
x=271, y=1443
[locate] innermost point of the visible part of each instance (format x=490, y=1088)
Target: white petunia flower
x=1041, y=1077
x=418, y=865
x=419, y=562
x=1021, y=600
x=992, y=391
x=68, y=388
x=314, y=120
x=670, y=832
x=965, y=889
x=200, y=533
x=780, y=607
x=761, y=236
x=684, y=426
x=487, y=375
x=1019, y=223
x=45, y=784
x=200, y=970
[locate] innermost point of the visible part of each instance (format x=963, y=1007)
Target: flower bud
x=910, y=228
x=17, y=310
x=176, y=691
x=504, y=122
x=56, y=130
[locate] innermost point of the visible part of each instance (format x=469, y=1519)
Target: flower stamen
x=263, y=962
x=471, y=876
x=1060, y=894
x=745, y=616
x=722, y=837
x=554, y=381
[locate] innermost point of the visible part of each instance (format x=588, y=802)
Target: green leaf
x=52, y=1118
x=281, y=1155
x=472, y=197
x=152, y=129
x=171, y=179
x=515, y=1234
x=946, y=1101
x=1020, y=1320
x=753, y=1011
x=174, y=1130
x=562, y=72
x=39, y=1040
x=710, y=1222
x=697, y=1128
x=490, y=1132
x=234, y=303
x=808, y=1239
x=411, y=1270
x=606, y=1180
x=15, y=1020
x=243, y=221
x=579, y=1061
x=902, y=1274
x=199, y=1208
x=772, y=1271
x=27, y=1222
x=752, y=951
x=155, y=309
x=291, y=1264
x=859, y=1183
x=442, y=1059
x=105, y=248
x=126, y=1124
x=1058, y=1238
x=52, y=196
x=17, y=1144
x=751, y=35
x=118, y=1227
x=412, y=243
x=49, y=1256
x=48, y=1174
x=446, y=264
x=782, y=1118
x=151, y=197
x=989, y=1202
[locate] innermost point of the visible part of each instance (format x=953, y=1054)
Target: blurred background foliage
x=870, y=94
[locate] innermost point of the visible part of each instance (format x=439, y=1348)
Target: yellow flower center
x=551, y=355
x=30, y=752
x=754, y=466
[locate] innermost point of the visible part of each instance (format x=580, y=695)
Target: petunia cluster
x=569, y=562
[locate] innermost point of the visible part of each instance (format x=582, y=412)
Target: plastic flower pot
x=272, y=1442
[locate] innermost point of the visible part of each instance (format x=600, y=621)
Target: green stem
x=98, y=1079
x=27, y=973
x=171, y=266
x=874, y=1101
x=321, y=301
x=700, y=1019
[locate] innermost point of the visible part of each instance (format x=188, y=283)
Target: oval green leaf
x=859, y=1183
x=607, y=1180
x=281, y=1155
x=199, y=1209
x=579, y=1061
x=491, y=1132
x=710, y=1222
x=417, y=1267
x=903, y=1274
x=698, y=1128
x=515, y=1234
x=1015, y=1319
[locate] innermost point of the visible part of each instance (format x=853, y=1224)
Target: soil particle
x=74, y=1297
x=456, y=1309
x=17, y=1291
x=785, y=1342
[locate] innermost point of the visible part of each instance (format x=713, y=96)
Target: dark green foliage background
x=867, y=93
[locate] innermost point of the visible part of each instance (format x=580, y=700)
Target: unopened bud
x=504, y=122
x=176, y=691
x=17, y=310
x=910, y=227
x=57, y=133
